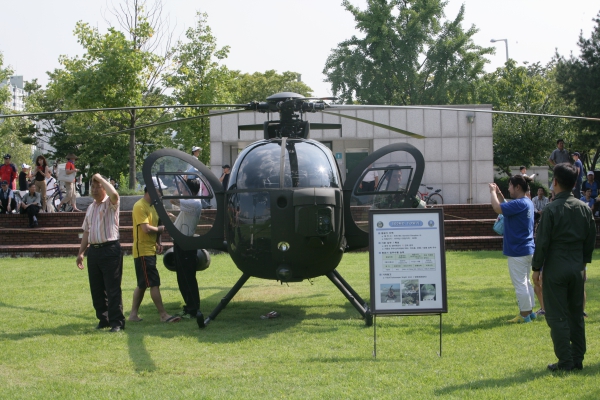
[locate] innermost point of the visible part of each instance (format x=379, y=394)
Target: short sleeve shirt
x=518, y=227
x=560, y=157
x=144, y=244
x=102, y=221
x=69, y=167
x=189, y=215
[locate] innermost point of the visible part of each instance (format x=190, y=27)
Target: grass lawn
x=318, y=349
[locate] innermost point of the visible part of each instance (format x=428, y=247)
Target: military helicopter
x=286, y=214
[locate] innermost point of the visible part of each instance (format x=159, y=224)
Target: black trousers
x=105, y=271
x=186, y=279
x=563, y=301
x=31, y=211
x=4, y=205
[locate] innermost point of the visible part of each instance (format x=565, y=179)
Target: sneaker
x=540, y=312
x=519, y=319
x=532, y=316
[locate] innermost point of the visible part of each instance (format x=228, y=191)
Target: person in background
x=105, y=260
x=559, y=155
x=588, y=199
x=24, y=177
x=518, y=240
x=31, y=205
x=590, y=183
x=539, y=202
x=579, y=166
x=50, y=189
x=8, y=204
x=8, y=172
x=564, y=245
x=225, y=176
x=70, y=197
x=38, y=174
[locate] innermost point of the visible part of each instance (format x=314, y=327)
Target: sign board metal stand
x=407, y=264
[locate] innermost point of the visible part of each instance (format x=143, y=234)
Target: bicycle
x=56, y=198
x=433, y=198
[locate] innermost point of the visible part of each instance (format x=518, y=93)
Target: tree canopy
x=579, y=78
x=258, y=86
x=409, y=55
x=524, y=140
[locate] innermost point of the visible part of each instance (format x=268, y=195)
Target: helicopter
x=286, y=214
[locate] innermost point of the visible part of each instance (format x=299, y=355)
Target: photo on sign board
x=428, y=292
x=390, y=292
x=410, y=292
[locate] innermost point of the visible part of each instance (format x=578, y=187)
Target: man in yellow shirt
x=146, y=244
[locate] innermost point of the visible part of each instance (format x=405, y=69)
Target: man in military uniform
x=564, y=244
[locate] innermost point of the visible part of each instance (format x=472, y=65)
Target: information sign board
x=407, y=261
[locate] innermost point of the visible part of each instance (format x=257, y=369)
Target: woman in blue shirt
x=518, y=240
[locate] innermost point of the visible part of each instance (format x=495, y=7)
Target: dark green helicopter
x=286, y=215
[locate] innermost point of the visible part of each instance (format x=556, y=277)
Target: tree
x=524, y=140
x=408, y=56
x=258, y=86
x=579, y=78
x=114, y=72
x=5, y=74
x=199, y=78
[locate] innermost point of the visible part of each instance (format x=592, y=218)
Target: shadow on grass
x=521, y=377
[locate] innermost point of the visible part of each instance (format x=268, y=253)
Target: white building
x=458, y=148
x=15, y=86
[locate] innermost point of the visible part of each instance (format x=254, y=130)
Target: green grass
x=318, y=349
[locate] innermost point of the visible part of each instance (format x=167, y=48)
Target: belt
x=99, y=245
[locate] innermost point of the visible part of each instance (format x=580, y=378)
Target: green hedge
x=533, y=187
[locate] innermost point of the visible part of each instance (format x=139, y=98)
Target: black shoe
x=578, y=365
x=116, y=329
x=555, y=367
x=200, y=320
x=102, y=325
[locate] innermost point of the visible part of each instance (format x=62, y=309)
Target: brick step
x=76, y=219
x=467, y=228
x=69, y=235
x=56, y=250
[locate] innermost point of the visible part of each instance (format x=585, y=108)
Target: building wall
x=445, y=148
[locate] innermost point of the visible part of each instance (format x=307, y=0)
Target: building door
x=353, y=157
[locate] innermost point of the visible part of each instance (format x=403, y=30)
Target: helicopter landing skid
x=361, y=306
x=225, y=300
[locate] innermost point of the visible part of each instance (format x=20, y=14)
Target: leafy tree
x=524, y=140
x=579, y=78
x=258, y=86
x=114, y=72
x=199, y=78
x=408, y=56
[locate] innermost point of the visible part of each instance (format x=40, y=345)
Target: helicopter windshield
x=305, y=165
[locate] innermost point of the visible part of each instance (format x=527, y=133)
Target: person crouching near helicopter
x=518, y=240
x=185, y=260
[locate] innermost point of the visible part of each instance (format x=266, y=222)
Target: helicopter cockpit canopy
x=285, y=163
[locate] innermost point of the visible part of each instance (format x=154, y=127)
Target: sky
x=289, y=35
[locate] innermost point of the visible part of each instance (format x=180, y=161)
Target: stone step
x=56, y=250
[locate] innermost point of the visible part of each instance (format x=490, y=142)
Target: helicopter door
x=189, y=201
x=387, y=179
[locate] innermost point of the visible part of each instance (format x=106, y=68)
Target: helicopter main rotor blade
x=121, y=109
x=173, y=121
x=316, y=125
x=366, y=121
x=354, y=107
